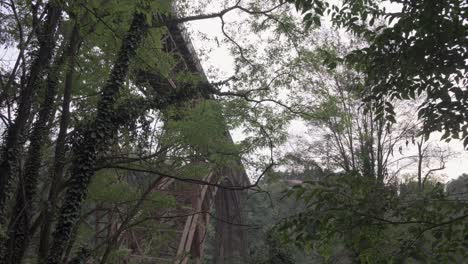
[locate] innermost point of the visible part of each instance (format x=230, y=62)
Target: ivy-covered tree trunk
x=41, y=60
x=22, y=210
x=20, y=221
x=93, y=140
x=60, y=148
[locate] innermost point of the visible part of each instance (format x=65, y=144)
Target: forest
x=233, y=131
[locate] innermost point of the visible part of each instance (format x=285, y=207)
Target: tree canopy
x=127, y=138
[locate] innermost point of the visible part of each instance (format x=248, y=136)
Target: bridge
x=198, y=203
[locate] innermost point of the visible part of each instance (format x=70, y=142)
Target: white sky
x=220, y=59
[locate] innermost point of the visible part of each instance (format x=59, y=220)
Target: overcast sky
x=220, y=59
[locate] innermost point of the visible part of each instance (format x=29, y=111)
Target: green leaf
x=317, y=21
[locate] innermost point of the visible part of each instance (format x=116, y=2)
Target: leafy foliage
x=376, y=223
x=266, y=209
x=419, y=50
x=100, y=121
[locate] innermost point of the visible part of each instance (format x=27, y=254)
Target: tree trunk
x=60, y=148
x=93, y=140
x=420, y=161
x=9, y=164
x=23, y=209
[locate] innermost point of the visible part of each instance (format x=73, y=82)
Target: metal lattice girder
x=230, y=238
x=196, y=200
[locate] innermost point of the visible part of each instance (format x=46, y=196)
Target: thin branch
x=219, y=14
x=190, y=180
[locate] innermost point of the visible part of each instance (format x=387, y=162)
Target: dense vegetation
x=117, y=148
